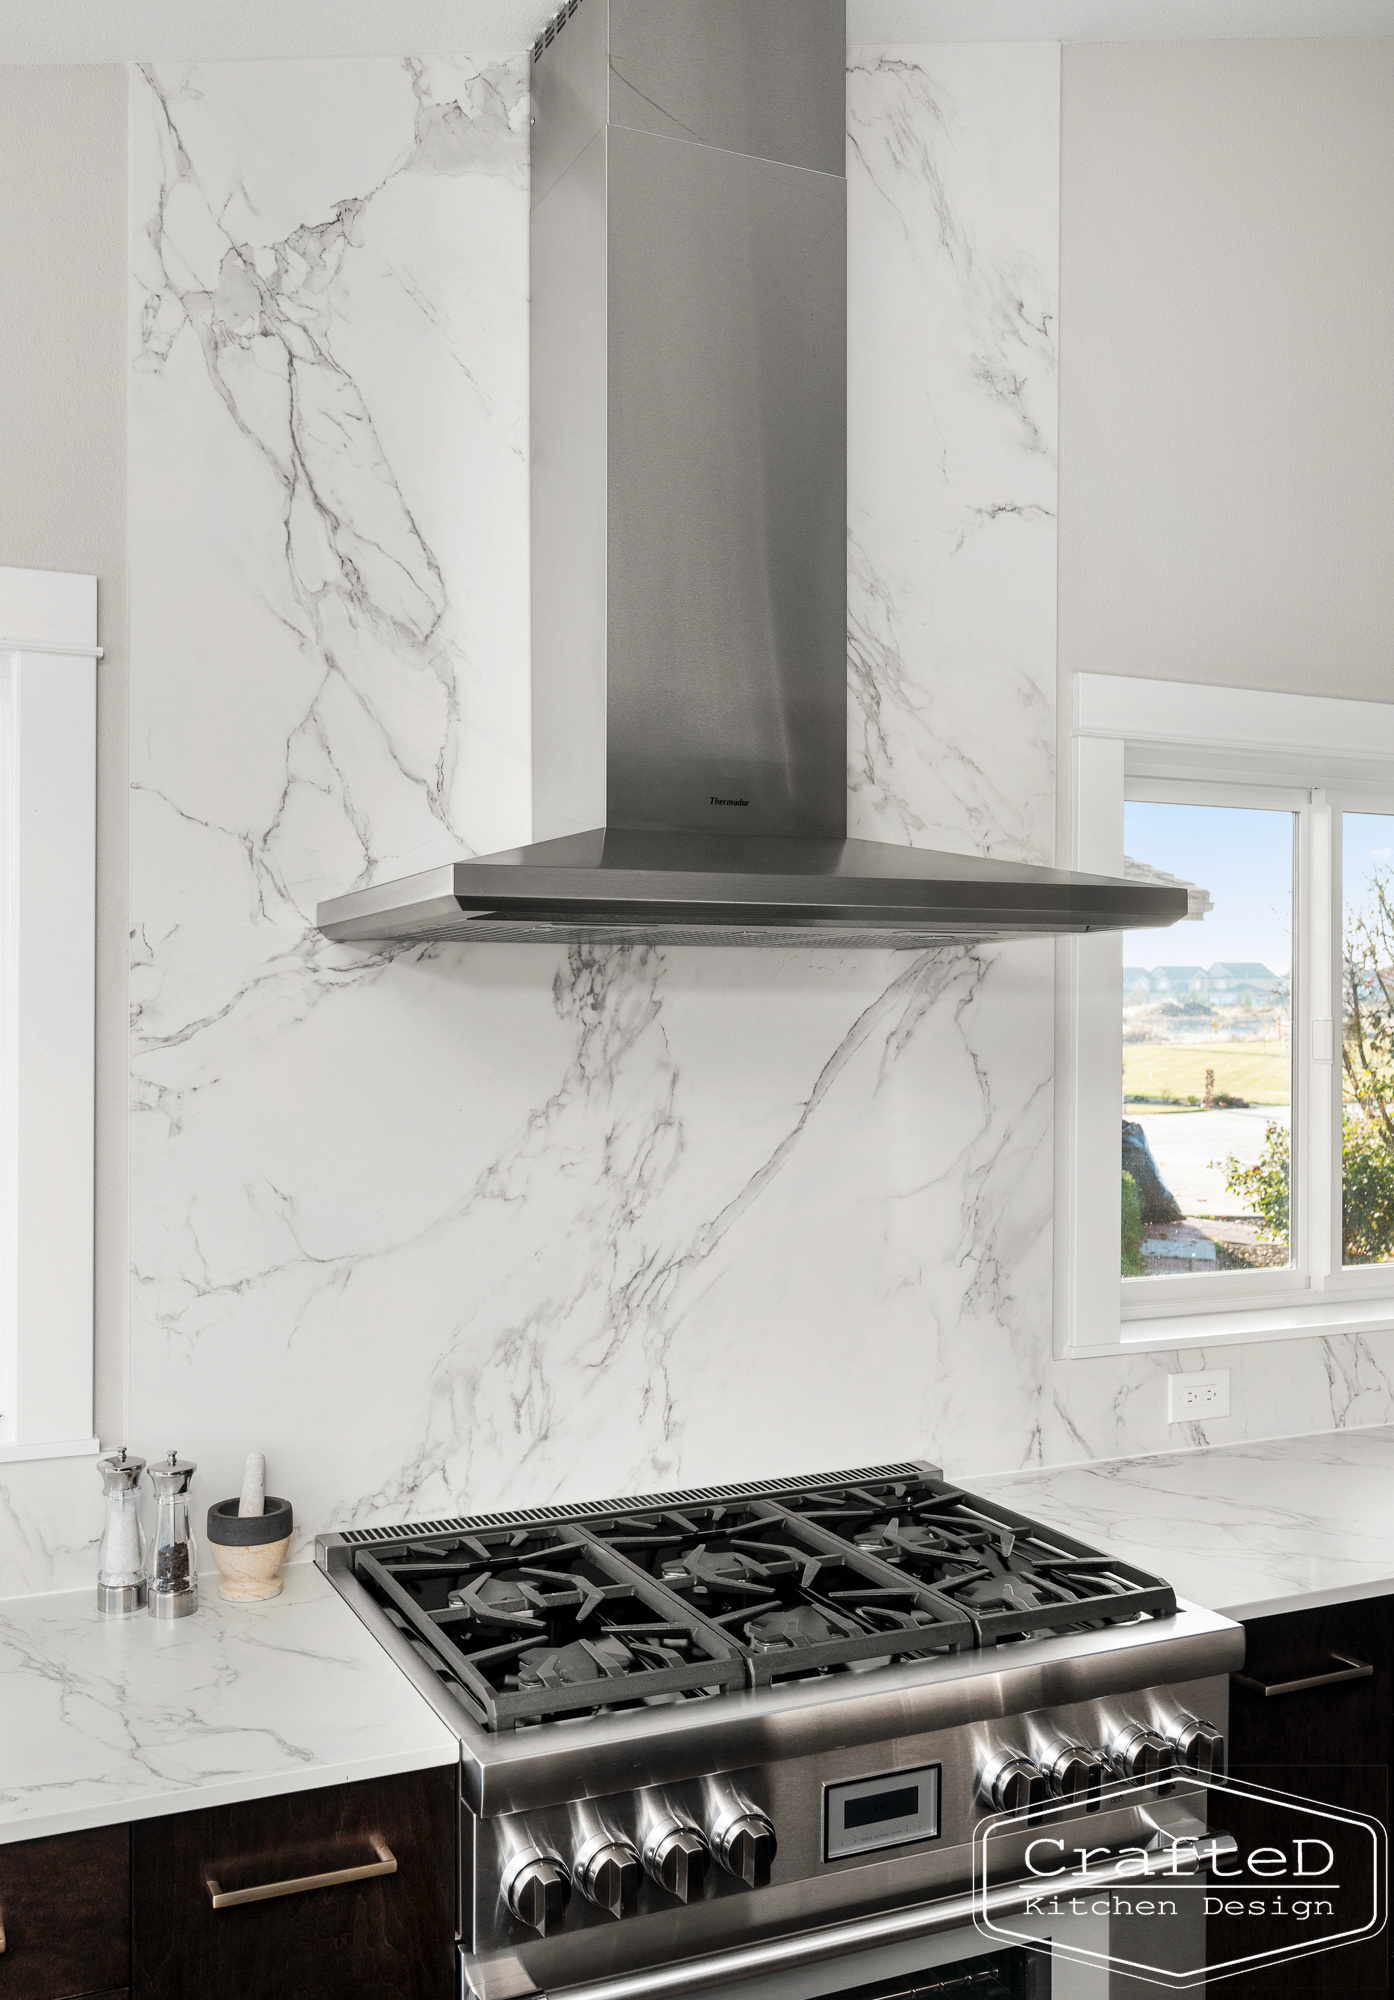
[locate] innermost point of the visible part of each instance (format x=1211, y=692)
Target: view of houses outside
x=1207, y=1045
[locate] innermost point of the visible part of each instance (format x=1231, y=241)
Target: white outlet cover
x=1194, y=1397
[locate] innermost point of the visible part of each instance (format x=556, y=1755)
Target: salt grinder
x=174, y=1565
x=121, y=1586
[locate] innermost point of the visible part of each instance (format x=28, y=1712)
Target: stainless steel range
x=740, y=1739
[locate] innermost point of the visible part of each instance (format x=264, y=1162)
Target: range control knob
x=1144, y=1757
x=1076, y=1774
x=1014, y=1784
x=537, y=1889
x=745, y=1847
x=675, y=1856
x=607, y=1874
x=1199, y=1747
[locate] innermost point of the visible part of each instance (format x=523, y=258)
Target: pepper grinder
x=174, y=1566
x=121, y=1586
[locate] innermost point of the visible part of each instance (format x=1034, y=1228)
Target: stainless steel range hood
x=689, y=509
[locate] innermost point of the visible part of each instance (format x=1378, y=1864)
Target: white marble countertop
x=1245, y=1529
x=104, y=1720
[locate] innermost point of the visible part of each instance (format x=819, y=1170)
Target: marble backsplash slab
x=953, y=254
x=506, y=1224
x=469, y=1226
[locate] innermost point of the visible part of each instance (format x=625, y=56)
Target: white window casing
x=1313, y=756
x=48, y=746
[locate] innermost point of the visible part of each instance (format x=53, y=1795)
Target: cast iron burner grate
x=796, y=1601
x=539, y=1623
x=1012, y=1577
x=685, y=1597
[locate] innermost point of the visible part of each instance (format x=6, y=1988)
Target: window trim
x=48, y=658
x=1331, y=756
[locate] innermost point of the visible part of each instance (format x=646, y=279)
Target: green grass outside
x=1261, y=1073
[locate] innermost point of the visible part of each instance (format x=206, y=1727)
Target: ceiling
x=63, y=31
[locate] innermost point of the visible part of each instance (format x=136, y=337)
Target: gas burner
x=804, y=1625
x=988, y=1592
x=717, y=1569
x=584, y=1660
x=913, y=1536
x=513, y=1600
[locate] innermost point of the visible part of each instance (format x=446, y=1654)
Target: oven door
x=1083, y=1938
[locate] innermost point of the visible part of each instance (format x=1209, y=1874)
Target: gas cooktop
x=714, y=1735
x=555, y=1615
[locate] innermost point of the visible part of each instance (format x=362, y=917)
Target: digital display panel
x=889, y=1810
x=878, y=1806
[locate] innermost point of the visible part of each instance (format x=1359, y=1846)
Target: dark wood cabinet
x=129, y=1912
x=65, y=1909
x=360, y=1935
x=1305, y=1719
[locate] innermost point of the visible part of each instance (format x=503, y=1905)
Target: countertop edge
x=224, y=1792
x=1308, y=1600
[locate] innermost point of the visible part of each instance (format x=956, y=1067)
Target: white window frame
x=1309, y=754
x=48, y=792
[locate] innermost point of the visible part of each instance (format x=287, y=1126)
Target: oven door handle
x=787, y=1954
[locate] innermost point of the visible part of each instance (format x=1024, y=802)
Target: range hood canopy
x=710, y=888
x=689, y=509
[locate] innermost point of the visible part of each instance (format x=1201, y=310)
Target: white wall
x=63, y=253
x=1227, y=400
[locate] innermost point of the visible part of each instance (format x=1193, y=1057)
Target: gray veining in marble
x=518, y=1223
x=107, y=1720
x=953, y=255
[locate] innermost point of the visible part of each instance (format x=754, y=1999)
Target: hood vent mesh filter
x=521, y=930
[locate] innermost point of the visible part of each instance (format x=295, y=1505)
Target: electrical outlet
x=1193, y=1398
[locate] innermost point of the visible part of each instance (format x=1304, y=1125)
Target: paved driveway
x=1185, y=1142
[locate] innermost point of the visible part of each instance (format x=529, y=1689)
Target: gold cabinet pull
x=227, y=1899
x=1351, y=1670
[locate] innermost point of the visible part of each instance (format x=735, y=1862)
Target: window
x=1207, y=1041
x=1253, y=1195
x=1367, y=1042
x=48, y=655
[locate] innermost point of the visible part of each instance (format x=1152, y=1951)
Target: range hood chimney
x=689, y=509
